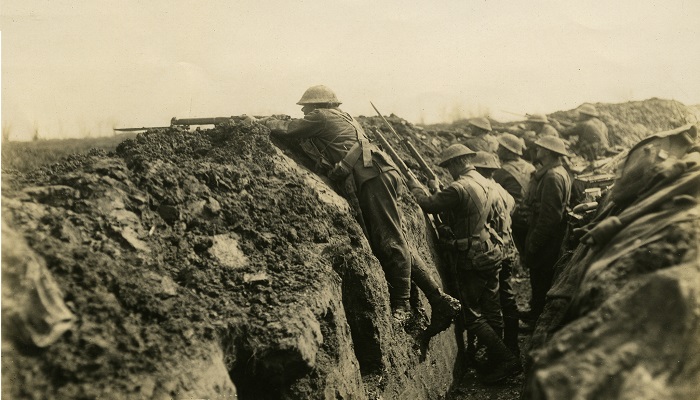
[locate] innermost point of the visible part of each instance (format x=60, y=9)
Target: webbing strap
x=361, y=138
x=488, y=204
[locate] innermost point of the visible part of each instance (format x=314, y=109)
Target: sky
x=75, y=68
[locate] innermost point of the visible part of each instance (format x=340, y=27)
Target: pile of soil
x=184, y=249
x=630, y=122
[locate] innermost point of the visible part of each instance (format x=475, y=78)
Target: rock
x=225, y=250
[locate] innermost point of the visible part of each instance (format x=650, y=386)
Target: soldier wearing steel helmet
x=481, y=139
x=540, y=124
x=368, y=178
x=468, y=207
x=487, y=165
x=546, y=199
x=592, y=133
x=514, y=175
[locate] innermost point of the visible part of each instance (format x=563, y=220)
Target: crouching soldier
x=371, y=183
x=467, y=204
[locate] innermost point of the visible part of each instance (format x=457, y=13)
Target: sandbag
x=33, y=310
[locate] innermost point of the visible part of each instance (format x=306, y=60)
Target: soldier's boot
x=503, y=363
x=471, y=349
x=444, y=307
x=510, y=335
x=401, y=312
x=444, y=310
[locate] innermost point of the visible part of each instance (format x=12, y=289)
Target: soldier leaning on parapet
x=592, y=134
x=371, y=183
x=467, y=204
x=481, y=139
x=546, y=199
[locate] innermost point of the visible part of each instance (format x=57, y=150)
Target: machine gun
x=187, y=122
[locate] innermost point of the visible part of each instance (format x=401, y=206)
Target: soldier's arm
x=311, y=125
x=551, y=212
x=575, y=130
x=509, y=183
x=441, y=201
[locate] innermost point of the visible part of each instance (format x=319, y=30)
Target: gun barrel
x=199, y=121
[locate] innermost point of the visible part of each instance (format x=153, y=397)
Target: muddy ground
x=208, y=262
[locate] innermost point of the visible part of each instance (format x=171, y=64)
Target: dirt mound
x=630, y=122
x=211, y=248
x=621, y=319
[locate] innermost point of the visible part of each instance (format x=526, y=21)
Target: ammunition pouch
x=483, y=252
x=321, y=164
x=343, y=168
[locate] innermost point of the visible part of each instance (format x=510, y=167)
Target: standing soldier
x=540, y=124
x=481, y=139
x=592, y=133
x=486, y=164
x=514, y=176
x=371, y=183
x=546, y=199
x=467, y=204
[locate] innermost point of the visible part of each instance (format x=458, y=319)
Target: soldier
x=546, y=199
x=592, y=133
x=514, y=176
x=540, y=124
x=487, y=164
x=481, y=138
x=370, y=181
x=467, y=204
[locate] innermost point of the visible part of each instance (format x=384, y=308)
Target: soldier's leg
x=378, y=200
x=472, y=288
x=490, y=301
x=508, y=307
x=443, y=306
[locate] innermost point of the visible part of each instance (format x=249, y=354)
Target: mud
x=214, y=264
x=185, y=249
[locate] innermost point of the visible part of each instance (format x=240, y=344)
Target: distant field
x=26, y=156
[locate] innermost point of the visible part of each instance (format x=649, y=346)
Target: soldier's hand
x=434, y=185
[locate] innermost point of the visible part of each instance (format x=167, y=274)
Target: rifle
x=429, y=173
x=186, y=122
x=392, y=153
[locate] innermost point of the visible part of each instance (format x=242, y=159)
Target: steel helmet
x=454, y=151
x=484, y=159
x=512, y=143
x=588, y=109
x=552, y=143
x=318, y=95
x=482, y=123
x=537, y=118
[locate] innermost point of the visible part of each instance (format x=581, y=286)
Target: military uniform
x=371, y=183
x=504, y=205
x=592, y=138
x=514, y=177
x=484, y=142
x=546, y=199
x=464, y=203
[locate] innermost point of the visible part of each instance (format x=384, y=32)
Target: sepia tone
x=350, y=200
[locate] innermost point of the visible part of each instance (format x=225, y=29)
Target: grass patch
x=27, y=156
